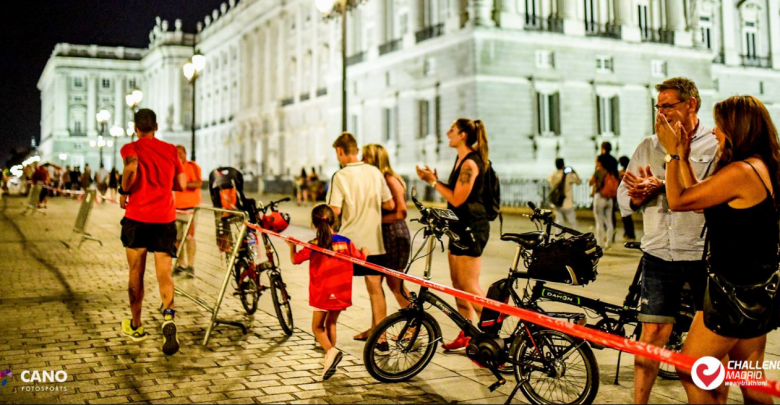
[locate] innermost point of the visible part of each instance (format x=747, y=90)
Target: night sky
x=30, y=29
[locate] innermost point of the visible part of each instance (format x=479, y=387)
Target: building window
x=604, y=64
x=388, y=127
x=590, y=16
x=706, y=31
x=78, y=82
x=106, y=83
x=548, y=114
x=750, y=42
x=658, y=68
x=644, y=20
x=545, y=59
x=608, y=111
x=425, y=119
x=532, y=12
x=131, y=83
x=77, y=127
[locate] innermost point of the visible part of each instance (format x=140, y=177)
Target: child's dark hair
x=323, y=218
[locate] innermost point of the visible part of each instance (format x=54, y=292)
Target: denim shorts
x=662, y=284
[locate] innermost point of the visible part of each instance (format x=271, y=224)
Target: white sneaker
x=332, y=360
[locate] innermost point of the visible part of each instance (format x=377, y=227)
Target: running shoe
x=137, y=335
x=170, y=340
x=179, y=270
x=189, y=271
x=332, y=360
x=459, y=343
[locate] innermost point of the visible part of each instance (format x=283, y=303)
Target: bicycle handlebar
x=545, y=216
x=437, y=220
x=272, y=205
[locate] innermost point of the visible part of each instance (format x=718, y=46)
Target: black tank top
x=472, y=212
x=744, y=241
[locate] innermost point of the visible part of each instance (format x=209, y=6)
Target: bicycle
x=545, y=361
x=611, y=318
x=247, y=273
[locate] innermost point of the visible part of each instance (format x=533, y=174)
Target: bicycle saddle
x=528, y=240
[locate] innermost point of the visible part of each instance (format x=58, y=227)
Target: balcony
x=356, y=58
x=322, y=92
x=593, y=29
x=305, y=96
x=756, y=61
x=429, y=32
x=287, y=101
x=78, y=134
x=660, y=36
x=549, y=24
x=391, y=46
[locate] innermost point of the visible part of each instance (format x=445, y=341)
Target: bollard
x=80, y=227
x=32, y=201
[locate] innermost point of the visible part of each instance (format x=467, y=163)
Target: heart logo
x=708, y=373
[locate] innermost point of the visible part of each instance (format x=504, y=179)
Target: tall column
x=482, y=13
x=414, y=23
x=629, y=30
x=267, y=68
x=456, y=18
x=258, y=65
x=281, y=60
x=92, y=83
x=119, y=101
x=729, y=36
x=61, y=104
x=315, y=54
x=298, y=54
x=380, y=22
x=774, y=32
x=572, y=24
x=178, y=98
x=675, y=21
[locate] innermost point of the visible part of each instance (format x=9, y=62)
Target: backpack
x=610, y=186
x=491, y=193
x=558, y=193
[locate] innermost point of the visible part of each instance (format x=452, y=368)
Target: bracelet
x=123, y=192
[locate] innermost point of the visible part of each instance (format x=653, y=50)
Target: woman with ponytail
x=330, y=282
x=463, y=193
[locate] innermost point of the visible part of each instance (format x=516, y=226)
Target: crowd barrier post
x=224, y=268
x=32, y=201
x=80, y=227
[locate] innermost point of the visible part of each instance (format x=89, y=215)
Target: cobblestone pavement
x=61, y=311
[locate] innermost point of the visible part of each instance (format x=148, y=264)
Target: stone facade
x=548, y=77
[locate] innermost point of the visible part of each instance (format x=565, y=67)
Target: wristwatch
x=668, y=158
x=433, y=183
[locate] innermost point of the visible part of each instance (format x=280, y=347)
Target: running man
x=152, y=172
x=186, y=201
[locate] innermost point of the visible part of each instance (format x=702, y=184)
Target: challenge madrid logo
x=5, y=375
x=708, y=373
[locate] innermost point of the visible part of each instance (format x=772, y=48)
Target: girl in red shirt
x=330, y=282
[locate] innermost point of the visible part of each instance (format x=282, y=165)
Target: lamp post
x=133, y=100
x=191, y=71
x=117, y=132
x=332, y=9
x=63, y=158
x=102, y=118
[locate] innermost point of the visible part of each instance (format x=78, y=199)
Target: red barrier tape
x=602, y=338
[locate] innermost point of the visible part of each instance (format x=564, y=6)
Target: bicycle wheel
x=282, y=303
x=248, y=290
x=408, y=354
x=675, y=343
x=572, y=376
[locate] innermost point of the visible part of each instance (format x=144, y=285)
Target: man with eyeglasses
x=672, y=242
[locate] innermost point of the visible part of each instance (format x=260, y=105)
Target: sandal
x=407, y=336
x=362, y=337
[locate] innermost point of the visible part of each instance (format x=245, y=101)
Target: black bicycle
x=549, y=366
x=610, y=318
x=247, y=274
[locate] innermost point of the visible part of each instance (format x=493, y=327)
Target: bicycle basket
x=571, y=261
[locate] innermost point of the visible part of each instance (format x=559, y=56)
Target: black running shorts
x=152, y=237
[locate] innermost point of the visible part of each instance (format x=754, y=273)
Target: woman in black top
x=463, y=193
x=742, y=221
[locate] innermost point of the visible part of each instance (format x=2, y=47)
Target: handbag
x=741, y=311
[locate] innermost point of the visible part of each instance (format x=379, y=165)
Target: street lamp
x=102, y=118
x=192, y=71
x=63, y=158
x=117, y=132
x=332, y=9
x=133, y=100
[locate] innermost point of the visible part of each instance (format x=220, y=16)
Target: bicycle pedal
x=497, y=384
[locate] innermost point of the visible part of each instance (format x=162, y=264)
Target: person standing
x=186, y=201
x=565, y=176
x=358, y=193
x=302, y=188
x=628, y=220
x=463, y=193
x=671, y=242
x=611, y=165
x=40, y=177
x=395, y=232
x=86, y=178
x=605, y=185
x=749, y=156
x=113, y=184
x=152, y=172
x=101, y=179
x=313, y=184
x=330, y=282
x=75, y=178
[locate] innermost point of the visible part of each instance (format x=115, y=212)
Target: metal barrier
x=218, y=235
x=32, y=202
x=80, y=227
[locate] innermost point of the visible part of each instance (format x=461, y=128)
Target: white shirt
x=101, y=176
x=359, y=190
x=571, y=178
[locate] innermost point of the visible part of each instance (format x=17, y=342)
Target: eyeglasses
x=668, y=106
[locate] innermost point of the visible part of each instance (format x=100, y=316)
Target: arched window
x=77, y=121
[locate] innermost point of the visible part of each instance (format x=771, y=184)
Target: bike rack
x=229, y=258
